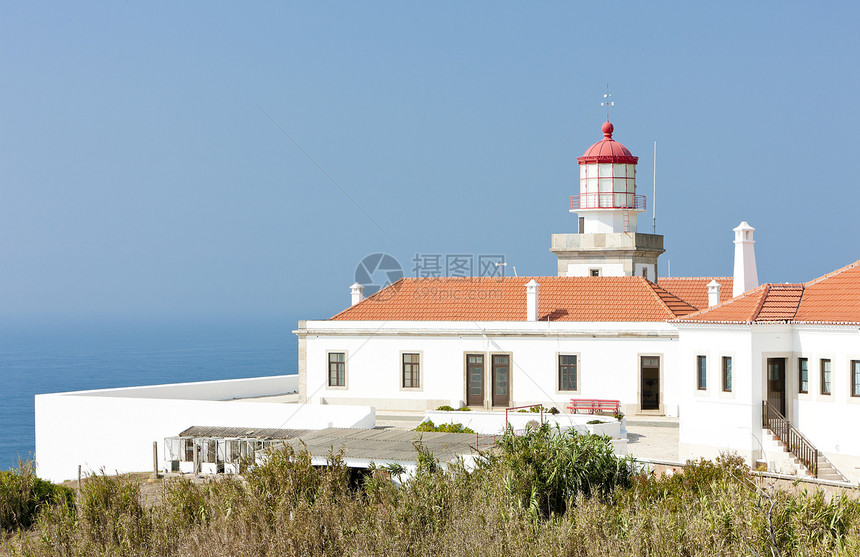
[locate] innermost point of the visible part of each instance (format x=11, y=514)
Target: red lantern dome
x=607, y=177
x=608, y=150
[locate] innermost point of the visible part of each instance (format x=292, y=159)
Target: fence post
x=196, y=452
x=155, y=459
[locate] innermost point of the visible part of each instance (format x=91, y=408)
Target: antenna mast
x=654, y=197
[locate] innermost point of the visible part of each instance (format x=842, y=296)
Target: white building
x=795, y=346
x=422, y=343
x=710, y=350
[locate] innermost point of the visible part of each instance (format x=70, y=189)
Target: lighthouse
x=607, y=206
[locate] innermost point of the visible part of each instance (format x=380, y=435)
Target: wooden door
x=776, y=384
x=475, y=379
x=501, y=379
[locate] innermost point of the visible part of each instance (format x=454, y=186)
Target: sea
x=58, y=355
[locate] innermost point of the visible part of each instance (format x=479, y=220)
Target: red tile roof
x=780, y=303
x=833, y=299
x=742, y=309
x=694, y=290
x=504, y=299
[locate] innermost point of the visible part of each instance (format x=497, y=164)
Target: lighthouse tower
x=607, y=243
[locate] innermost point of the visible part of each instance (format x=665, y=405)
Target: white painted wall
x=228, y=389
x=608, y=360
x=713, y=421
x=829, y=421
x=650, y=272
x=113, y=429
x=608, y=221
x=606, y=269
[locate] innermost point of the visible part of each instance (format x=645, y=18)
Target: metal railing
x=789, y=436
x=486, y=440
x=608, y=200
x=517, y=408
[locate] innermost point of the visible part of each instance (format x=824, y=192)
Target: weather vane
x=606, y=102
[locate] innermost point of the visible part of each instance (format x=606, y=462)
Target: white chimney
x=713, y=293
x=532, y=300
x=745, y=277
x=357, y=292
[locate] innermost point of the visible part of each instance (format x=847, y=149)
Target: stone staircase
x=782, y=461
x=826, y=470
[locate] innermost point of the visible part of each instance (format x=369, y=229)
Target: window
x=594, y=272
x=701, y=372
x=855, y=377
x=411, y=371
x=188, y=446
x=567, y=372
x=825, y=377
x=727, y=374
x=582, y=225
x=336, y=369
x=803, y=375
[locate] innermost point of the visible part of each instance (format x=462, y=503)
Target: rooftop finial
x=606, y=102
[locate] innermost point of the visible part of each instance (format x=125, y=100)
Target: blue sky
x=144, y=170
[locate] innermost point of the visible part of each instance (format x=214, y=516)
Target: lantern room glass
x=611, y=186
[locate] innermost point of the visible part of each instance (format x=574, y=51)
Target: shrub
x=544, y=493
x=445, y=408
x=546, y=469
x=538, y=409
x=110, y=512
x=446, y=428
x=23, y=496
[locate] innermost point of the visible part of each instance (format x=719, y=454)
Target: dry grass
x=514, y=504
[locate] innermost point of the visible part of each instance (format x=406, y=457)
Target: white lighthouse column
x=745, y=275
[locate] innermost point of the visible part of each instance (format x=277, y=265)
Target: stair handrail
x=789, y=436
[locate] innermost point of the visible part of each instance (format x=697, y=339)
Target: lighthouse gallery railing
x=607, y=200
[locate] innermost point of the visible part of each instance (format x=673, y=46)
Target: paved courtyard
x=651, y=437
x=654, y=438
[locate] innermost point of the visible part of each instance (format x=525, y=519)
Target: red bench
x=594, y=406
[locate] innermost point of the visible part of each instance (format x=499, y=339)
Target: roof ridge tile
x=760, y=304
x=653, y=287
x=832, y=273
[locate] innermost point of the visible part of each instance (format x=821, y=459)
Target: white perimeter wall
x=113, y=429
x=608, y=361
x=227, y=389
